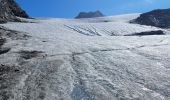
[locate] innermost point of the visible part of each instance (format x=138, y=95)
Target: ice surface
x=89, y=59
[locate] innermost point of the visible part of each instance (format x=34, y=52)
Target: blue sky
x=70, y=8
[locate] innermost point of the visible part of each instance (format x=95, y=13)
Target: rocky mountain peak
x=159, y=18
x=10, y=10
x=89, y=14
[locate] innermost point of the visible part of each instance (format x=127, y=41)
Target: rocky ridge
x=158, y=18
x=89, y=14
x=10, y=11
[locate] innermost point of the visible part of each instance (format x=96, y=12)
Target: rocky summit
x=89, y=14
x=159, y=18
x=10, y=10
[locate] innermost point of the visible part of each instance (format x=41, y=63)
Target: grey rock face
x=10, y=10
x=158, y=32
x=159, y=18
x=89, y=14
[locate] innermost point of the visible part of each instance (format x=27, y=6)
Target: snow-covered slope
x=106, y=26
x=87, y=59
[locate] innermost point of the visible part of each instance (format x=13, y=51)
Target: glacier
x=85, y=59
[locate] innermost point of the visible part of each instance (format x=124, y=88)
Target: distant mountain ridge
x=10, y=10
x=89, y=14
x=158, y=18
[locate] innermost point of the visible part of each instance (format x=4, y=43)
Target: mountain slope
x=10, y=10
x=157, y=18
x=85, y=59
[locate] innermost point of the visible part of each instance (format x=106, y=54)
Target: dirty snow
x=89, y=59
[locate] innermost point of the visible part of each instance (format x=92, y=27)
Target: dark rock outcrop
x=158, y=18
x=158, y=32
x=89, y=14
x=10, y=10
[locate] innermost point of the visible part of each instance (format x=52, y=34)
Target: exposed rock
x=159, y=18
x=158, y=32
x=10, y=10
x=16, y=10
x=89, y=14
